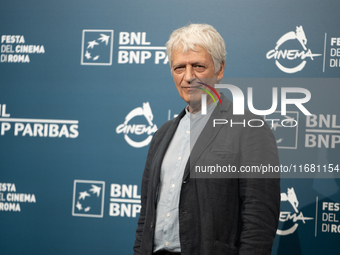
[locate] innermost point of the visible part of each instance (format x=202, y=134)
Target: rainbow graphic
x=208, y=92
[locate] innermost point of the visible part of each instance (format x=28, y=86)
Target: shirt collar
x=198, y=115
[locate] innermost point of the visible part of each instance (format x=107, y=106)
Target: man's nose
x=189, y=74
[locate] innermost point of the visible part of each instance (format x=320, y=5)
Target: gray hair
x=202, y=35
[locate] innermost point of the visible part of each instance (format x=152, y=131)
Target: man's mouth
x=190, y=87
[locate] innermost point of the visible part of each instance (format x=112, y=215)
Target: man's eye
x=200, y=68
x=178, y=69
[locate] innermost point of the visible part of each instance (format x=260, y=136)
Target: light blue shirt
x=172, y=170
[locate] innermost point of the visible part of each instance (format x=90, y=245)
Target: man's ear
x=220, y=73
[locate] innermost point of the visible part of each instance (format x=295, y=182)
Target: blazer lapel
x=159, y=154
x=208, y=133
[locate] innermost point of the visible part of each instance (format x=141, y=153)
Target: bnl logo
x=285, y=128
x=88, y=198
x=97, y=46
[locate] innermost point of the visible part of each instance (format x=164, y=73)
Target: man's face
x=188, y=69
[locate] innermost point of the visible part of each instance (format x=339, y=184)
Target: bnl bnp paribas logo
x=97, y=46
x=286, y=138
x=88, y=198
x=292, y=60
x=138, y=126
x=51, y=128
x=133, y=48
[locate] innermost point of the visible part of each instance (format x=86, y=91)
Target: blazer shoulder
x=165, y=127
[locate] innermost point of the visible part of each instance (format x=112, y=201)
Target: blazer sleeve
x=260, y=197
x=144, y=191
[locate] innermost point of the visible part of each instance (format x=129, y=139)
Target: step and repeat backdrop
x=85, y=84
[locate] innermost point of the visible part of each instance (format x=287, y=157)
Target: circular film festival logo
x=138, y=129
x=291, y=219
x=291, y=54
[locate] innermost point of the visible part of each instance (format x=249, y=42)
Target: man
x=203, y=216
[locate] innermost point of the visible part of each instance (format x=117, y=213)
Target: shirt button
x=179, y=158
x=167, y=243
x=168, y=215
x=194, y=117
x=173, y=185
x=188, y=132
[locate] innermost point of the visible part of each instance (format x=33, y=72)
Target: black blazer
x=217, y=215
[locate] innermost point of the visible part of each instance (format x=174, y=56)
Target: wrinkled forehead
x=182, y=50
x=198, y=55
x=184, y=47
